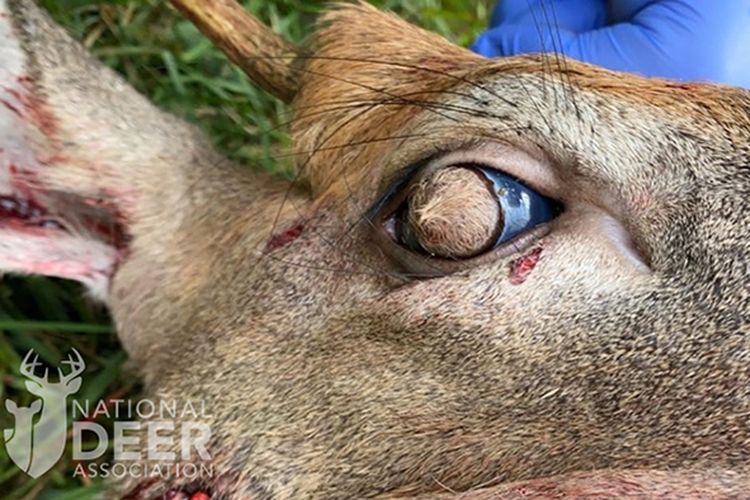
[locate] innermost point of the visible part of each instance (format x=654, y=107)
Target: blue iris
x=523, y=209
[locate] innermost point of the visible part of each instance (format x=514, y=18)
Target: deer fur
x=618, y=366
x=454, y=213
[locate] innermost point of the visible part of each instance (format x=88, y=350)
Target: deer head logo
x=36, y=446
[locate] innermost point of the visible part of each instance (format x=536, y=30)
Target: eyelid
x=535, y=171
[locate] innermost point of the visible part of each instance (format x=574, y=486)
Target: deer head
x=67, y=383
x=486, y=272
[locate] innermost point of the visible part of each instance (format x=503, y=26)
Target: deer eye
x=462, y=211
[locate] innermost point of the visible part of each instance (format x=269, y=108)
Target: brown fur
x=453, y=213
x=619, y=365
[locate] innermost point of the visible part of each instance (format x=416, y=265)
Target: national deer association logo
x=163, y=438
x=36, y=444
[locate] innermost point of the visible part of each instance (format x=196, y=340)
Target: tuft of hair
x=453, y=213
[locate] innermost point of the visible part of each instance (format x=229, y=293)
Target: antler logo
x=36, y=447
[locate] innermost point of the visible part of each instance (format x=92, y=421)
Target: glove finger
x=572, y=15
x=625, y=10
x=622, y=47
x=513, y=39
x=675, y=39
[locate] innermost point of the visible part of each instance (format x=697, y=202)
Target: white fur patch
x=48, y=251
x=60, y=255
x=15, y=150
x=11, y=56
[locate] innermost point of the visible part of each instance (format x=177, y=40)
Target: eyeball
x=462, y=211
x=451, y=213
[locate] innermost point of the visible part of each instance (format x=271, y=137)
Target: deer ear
x=33, y=387
x=36, y=405
x=74, y=385
x=79, y=153
x=11, y=405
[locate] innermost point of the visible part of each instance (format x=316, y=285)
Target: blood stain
x=284, y=238
x=34, y=107
x=12, y=108
x=522, y=267
x=19, y=208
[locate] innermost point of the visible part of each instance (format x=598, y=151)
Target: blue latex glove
x=701, y=40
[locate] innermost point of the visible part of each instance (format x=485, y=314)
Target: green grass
x=165, y=58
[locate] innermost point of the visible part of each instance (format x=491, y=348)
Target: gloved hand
x=701, y=40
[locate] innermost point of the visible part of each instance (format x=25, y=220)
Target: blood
x=41, y=116
x=12, y=108
x=21, y=213
x=18, y=213
x=181, y=495
x=20, y=208
x=284, y=238
x=521, y=268
x=34, y=107
x=23, y=181
x=14, y=93
x=112, y=233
